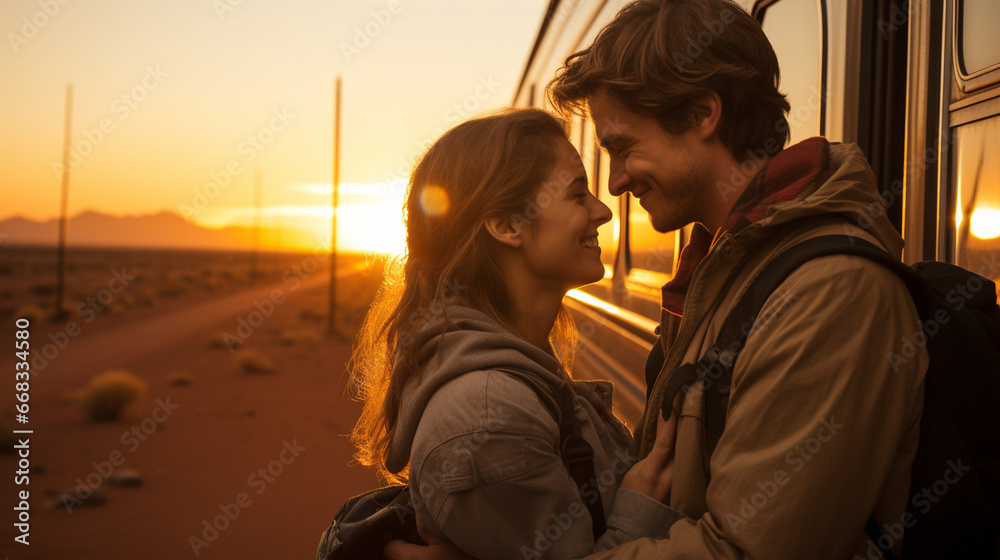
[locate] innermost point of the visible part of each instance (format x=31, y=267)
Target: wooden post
x=332, y=315
x=255, y=234
x=60, y=313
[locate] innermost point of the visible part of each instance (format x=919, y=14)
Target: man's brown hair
x=657, y=58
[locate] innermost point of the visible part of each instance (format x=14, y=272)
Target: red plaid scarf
x=794, y=172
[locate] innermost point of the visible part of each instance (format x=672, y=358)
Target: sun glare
x=371, y=228
x=985, y=223
x=369, y=219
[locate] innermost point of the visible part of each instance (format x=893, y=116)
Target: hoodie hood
x=811, y=179
x=462, y=341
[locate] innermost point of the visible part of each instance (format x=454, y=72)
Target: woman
x=463, y=365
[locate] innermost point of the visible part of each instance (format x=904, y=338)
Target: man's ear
x=707, y=114
x=505, y=229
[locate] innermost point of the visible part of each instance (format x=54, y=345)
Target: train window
x=651, y=253
x=977, y=216
x=795, y=30
x=978, y=42
x=586, y=149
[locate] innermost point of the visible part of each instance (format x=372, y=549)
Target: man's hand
x=438, y=548
x=654, y=475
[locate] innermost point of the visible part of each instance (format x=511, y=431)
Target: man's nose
x=618, y=179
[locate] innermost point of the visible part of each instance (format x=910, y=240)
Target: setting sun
x=370, y=219
x=985, y=223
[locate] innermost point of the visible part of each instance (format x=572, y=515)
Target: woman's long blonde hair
x=489, y=166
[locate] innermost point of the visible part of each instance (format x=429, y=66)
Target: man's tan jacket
x=826, y=396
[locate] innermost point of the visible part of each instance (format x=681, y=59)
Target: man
x=821, y=427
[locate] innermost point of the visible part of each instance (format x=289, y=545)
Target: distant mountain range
x=161, y=230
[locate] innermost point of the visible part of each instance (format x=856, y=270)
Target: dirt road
x=234, y=465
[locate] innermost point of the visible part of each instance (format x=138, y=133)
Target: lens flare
x=985, y=224
x=434, y=201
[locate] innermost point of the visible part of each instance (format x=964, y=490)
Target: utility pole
x=255, y=234
x=64, y=207
x=332, y=316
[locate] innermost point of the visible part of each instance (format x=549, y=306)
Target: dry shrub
x=148, y=299
x=110, y=393
x=7, y=437
x=172, y=290
x=312, y=315
x=43, y=289
x=218, y=340
x=72, y=396
x=252, y=361
x=293, y=336
x=31, y=312
x=180, y=379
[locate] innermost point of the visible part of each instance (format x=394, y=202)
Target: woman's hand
x=438, y=548
x=654, y=475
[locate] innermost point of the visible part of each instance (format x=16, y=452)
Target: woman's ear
x=505, y=229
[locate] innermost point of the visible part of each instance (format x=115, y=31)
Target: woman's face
x=560, y=247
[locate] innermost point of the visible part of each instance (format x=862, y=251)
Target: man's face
x=667, y=173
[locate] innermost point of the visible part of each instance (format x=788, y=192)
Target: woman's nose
x=601, y=214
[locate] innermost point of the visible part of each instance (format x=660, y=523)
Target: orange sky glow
x=178, y=104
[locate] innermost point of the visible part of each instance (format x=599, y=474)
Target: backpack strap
x=578, y=456
x=576, y=453
x=715, y=368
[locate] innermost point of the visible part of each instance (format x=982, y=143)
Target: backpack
x=960, y=425
x=367, y=522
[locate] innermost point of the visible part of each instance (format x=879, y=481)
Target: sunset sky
x=174, y=97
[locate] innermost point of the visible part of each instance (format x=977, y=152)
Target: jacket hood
x=811, y=179
x=463, y=340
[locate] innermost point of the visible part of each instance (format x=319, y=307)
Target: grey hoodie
x=478, y=428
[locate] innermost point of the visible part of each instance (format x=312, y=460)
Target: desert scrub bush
x=31, y=312
x=172, y=290
x=43, y=289
x=109, y=394
x=293, y=336
x=219, y=340
x=310, y=314
x=7, y=437
x=147, y=297
x=252, y=361
x=180, y=379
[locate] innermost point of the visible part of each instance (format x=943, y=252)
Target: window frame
x=980, y=79
x=758, y=13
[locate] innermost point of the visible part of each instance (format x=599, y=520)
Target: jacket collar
x=792, y=174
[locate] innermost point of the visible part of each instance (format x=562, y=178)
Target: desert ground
x=236, y=446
